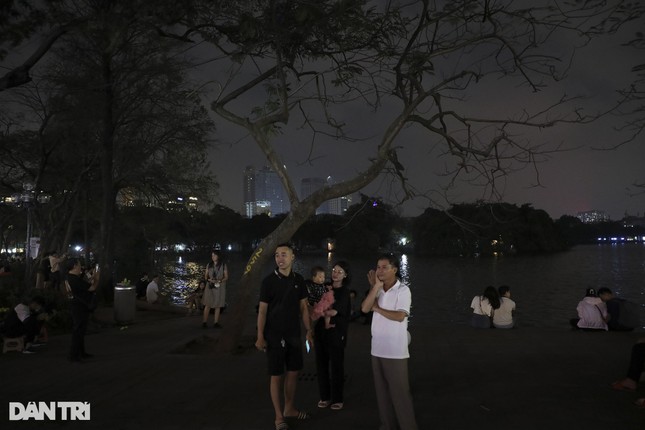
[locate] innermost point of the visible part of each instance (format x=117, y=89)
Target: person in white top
x=504, y=316
x=390, y=301
x=152, y=290
x=592, y=312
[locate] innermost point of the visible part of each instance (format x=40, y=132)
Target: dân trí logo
x=49, y=411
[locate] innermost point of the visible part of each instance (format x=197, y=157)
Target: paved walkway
x=161, y=373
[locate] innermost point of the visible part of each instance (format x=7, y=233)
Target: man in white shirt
x=152, y=290
x=390, y=300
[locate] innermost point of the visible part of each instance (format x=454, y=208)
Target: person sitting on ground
x=592, y=313
x=142, y=285
x=484, y=307
x=26, y=320
x=503, y=317
x=634, y=370
x=622, y=315
x=194, y=301
x=152, y=290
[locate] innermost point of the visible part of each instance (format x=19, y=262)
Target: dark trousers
x=330, y=366
x=636, y=362
x=29, y=328
x=80, y=318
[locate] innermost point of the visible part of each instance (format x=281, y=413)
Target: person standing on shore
x=283, y=304
x=214, y=296
x=390, y=300
x=81, y=290
x=331, y=340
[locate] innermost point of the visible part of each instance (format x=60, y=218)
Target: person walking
x=330, y=342
x=390, y=300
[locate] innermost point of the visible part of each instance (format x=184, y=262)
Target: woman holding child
x=331, y=338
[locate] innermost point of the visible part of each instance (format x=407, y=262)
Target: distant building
x=129, y=197
x=592, y=217
x=336, y=206
x=263, y=193
x=339, y=206
x=633, y=221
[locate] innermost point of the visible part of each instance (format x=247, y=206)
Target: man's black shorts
x=284, y=354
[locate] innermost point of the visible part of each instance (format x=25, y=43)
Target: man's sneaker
x=28, y=351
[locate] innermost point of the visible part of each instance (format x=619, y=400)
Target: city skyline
x=582, y=167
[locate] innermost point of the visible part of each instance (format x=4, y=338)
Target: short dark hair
x=71, y=262
x=316, y=270
x=392, y=259
x=503, y=289
x=604, y=290
x=287, y=245
x=38, y=299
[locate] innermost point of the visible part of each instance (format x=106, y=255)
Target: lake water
x=546, y=288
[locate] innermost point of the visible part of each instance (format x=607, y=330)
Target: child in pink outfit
x=324, y=304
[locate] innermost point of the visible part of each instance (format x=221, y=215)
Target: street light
x=27, y=200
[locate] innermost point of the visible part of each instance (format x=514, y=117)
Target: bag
x=91, y=301
x=480, y=321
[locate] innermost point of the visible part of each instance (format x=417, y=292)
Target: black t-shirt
x=283, y=295
x=80, y=288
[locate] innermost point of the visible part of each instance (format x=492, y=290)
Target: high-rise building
x=308, y=186
x=339, y=205
x=263, y=192
x=336, y=206
x=592, y=217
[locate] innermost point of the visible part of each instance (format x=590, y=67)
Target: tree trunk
x=106, y=248
x=249, y=285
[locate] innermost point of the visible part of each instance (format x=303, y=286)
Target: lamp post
x=28, y=200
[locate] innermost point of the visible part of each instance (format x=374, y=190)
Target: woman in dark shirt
x=330, y=342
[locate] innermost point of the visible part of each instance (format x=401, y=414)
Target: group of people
x=209, y=295
x=494, y=308
x=602, y=311
x=287, y=301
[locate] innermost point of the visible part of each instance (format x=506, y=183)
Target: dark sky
x=580, y=177
x=577, y=178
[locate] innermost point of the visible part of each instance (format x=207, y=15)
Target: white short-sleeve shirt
x=390, y=338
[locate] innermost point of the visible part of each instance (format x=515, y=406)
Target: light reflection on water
x=546, y=288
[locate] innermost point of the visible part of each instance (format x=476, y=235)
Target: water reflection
x=546, y=288
x=180, y=278
x=404, y=270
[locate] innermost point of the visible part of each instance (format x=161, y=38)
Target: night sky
x=582, y=176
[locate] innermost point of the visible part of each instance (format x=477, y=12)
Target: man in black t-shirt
x=283, y=303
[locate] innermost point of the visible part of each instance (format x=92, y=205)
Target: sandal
x=620, y=386
x=323, y=404
x=337, y=406
x=640, y=403
x=281, y=426
x=302, y=415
